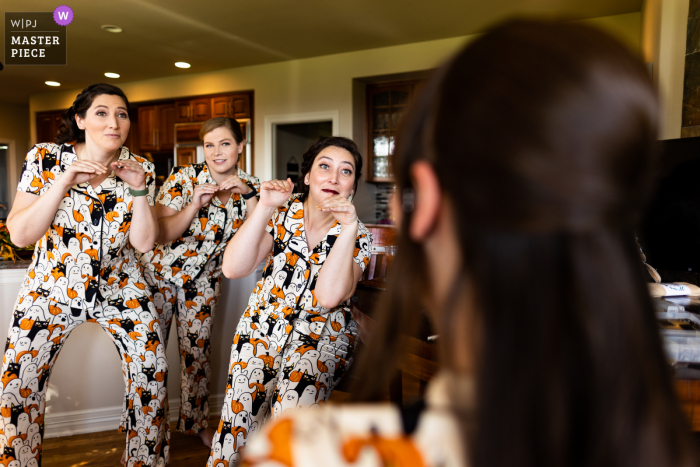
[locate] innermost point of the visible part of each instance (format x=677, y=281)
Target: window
x=386, y=103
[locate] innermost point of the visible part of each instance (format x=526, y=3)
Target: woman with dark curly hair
x=296, y=339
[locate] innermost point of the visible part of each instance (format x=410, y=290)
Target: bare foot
x=206, y=435
x=124, y=457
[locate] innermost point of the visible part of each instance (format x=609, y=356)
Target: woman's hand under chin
x=235, y=184
x=274, y=193
x=131, y=172
x=342, y=209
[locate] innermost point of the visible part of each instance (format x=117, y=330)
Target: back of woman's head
x=541, y=135
x=69, y=132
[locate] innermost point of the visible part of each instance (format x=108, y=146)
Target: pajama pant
x=36, y=336
x=276, y=366
x=195, y=307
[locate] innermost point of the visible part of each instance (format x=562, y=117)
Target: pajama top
x=287, y=286
x=367, y=435
x=197, y=252
x=86, y=250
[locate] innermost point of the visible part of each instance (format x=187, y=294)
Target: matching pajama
x=83, y=269
x=288, y=352
x=185, y=279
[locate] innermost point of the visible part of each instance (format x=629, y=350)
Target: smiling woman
x=200, y=208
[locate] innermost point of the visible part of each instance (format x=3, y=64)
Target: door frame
x=272, y=121
x=12, y=169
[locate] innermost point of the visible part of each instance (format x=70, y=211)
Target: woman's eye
x=323, y=166
x=124, y=115
x=226, y=144
x=347, y=172
x=101, y=113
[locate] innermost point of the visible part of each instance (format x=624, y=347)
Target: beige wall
x=14, y=129
x=309, y=85
x=664, y=26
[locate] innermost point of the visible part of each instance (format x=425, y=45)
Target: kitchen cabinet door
x=166, y=127
x=148, y=127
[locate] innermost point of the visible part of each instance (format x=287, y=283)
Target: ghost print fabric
x=185, y=279
x=83, y=269
x=288, y=352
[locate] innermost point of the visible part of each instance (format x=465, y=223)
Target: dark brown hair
x=323, y=143
x=542, y=137
x=218, y=122
x=69, y=131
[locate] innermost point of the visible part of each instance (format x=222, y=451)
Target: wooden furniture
x=382, y=235
x=47, y=124
x=386, y=103
x=193, y=110
x=156, y=125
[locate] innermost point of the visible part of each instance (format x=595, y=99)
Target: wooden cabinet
x=193, y=110
x=186, y=155
x=156, y=124
x=47, y=124
x=386, y=103
x=234, y=106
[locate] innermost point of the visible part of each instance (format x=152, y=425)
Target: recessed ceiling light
x=182, y=64
x=112, y=75
x=53, y=83
x=112, y=28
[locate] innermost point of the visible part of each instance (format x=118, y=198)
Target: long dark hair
x=69, y=131
x=542, y=137
x=324, y=142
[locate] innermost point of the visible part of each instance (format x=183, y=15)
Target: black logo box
x=34, y=38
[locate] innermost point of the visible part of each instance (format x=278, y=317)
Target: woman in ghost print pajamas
x=200, y=207
x=296, y=338
x=87, y=202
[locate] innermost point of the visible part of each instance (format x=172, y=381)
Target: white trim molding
x=79, y=422
x=271, y=121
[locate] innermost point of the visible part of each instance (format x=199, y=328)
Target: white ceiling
x=218, y=34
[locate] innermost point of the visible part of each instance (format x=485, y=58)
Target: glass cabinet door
x=386, y=104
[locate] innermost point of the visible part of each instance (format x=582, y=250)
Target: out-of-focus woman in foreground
x=521, y=171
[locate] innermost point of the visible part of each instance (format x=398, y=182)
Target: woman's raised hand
x=82, y=171
x=203, y=194
x=274, y=193
x=131, y=172
x=342, y=209
x=235, y=184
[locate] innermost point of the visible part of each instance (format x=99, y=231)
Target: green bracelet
x=135, y=193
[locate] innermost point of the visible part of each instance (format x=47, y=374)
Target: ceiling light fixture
x=182, y=64
x=112, y=28
x=53, y=83
x=112, y=75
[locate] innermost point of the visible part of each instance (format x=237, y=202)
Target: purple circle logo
x=63, y=15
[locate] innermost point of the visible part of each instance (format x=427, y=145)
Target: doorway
x=291, y=141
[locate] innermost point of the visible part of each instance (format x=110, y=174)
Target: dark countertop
x=22, y=264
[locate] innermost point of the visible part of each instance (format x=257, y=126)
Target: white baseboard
x=78, y=422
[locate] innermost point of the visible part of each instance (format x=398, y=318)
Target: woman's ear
x=427, y=201
x=79, y=122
